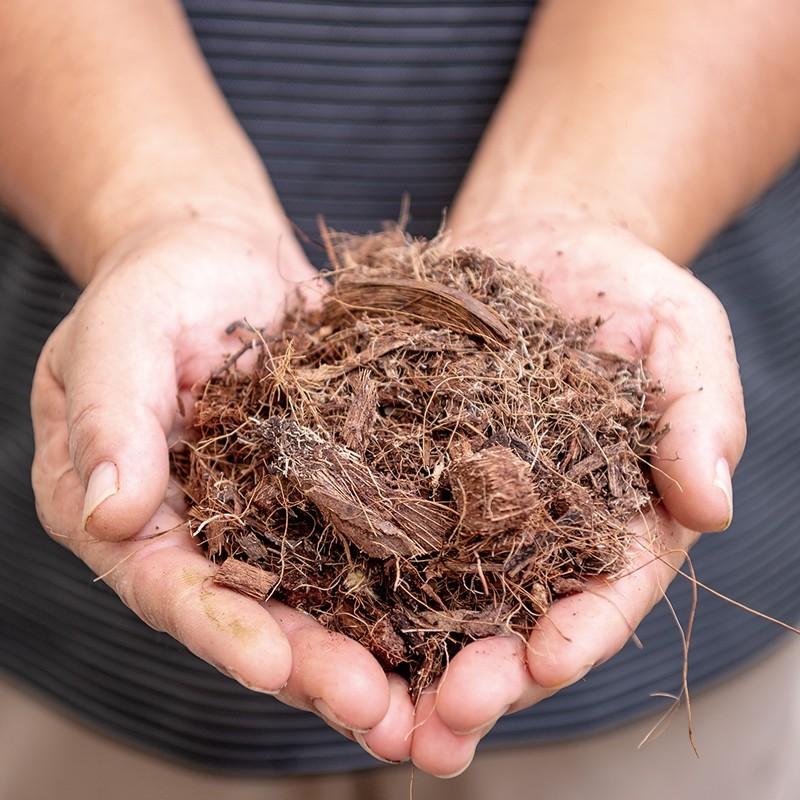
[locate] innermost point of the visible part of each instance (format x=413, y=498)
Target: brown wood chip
x=424, y=300
x=379, y=520
x=245, y=578
x=494, y=490
x=361, y=414
x=490, y=622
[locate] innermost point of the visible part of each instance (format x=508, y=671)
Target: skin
x=653, y=310
x=173, y=228
x=610, y=159
x=631, y=133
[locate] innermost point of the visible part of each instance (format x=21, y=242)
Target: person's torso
x=352, y=105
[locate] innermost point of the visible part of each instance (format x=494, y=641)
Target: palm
x=145, y=331
x=658, y=312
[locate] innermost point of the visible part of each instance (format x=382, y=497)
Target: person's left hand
x=653, y=310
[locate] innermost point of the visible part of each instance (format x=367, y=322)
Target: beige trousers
x=747, y=731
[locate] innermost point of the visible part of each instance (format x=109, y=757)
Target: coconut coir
x=430, y=455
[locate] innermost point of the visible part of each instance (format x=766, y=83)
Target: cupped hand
x=653, y=310
x=151, y=324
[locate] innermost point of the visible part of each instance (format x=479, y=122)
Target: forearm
x=112, y=123
x=663, y=117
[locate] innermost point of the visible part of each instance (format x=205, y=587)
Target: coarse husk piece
x=431, y=456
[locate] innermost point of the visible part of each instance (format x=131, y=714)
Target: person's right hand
x=150, y=325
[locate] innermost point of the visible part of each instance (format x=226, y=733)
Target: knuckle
x=135, y=585
x=49, y=358
x=739, y=438
x=50, y=494
x=692, y=300
x=710, y=303
x=38, y=475
x=84, y=431
x=146, y=588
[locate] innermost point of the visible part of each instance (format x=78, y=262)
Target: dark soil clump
x=431, y=456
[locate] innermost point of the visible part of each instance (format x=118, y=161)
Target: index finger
x=586, y=629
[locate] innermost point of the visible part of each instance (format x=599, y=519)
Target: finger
x=692, y=352
x=332, y=675
x=120, y=388
x=696, y=458
x=390, y=739
x=586, y=629
x=168, y=584
x=435, y=749
x=484, y=681
x=165, y=582
x=161, y=575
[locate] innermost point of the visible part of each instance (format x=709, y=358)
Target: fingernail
x=238, y=678
x=722, y=480
x=103, y=483
x=324, y=710
x=359, y=737
x=484, y=727
x=457, y=772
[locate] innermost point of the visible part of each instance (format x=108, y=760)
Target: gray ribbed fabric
x=351, y=104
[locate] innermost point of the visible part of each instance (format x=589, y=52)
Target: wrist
x=497, y=201
x=262, y=245
x=545, y=153
x=158, y=178
x=546, y=221
x=540, y=206
x=121, y=216
x=566, y=252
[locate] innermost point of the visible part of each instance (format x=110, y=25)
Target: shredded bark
x=246, y=578
x=432, y=456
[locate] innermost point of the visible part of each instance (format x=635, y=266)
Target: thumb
x=703, y=413
x=120, y=389
x=697, y=457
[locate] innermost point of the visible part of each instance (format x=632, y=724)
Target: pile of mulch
x=431, y=455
